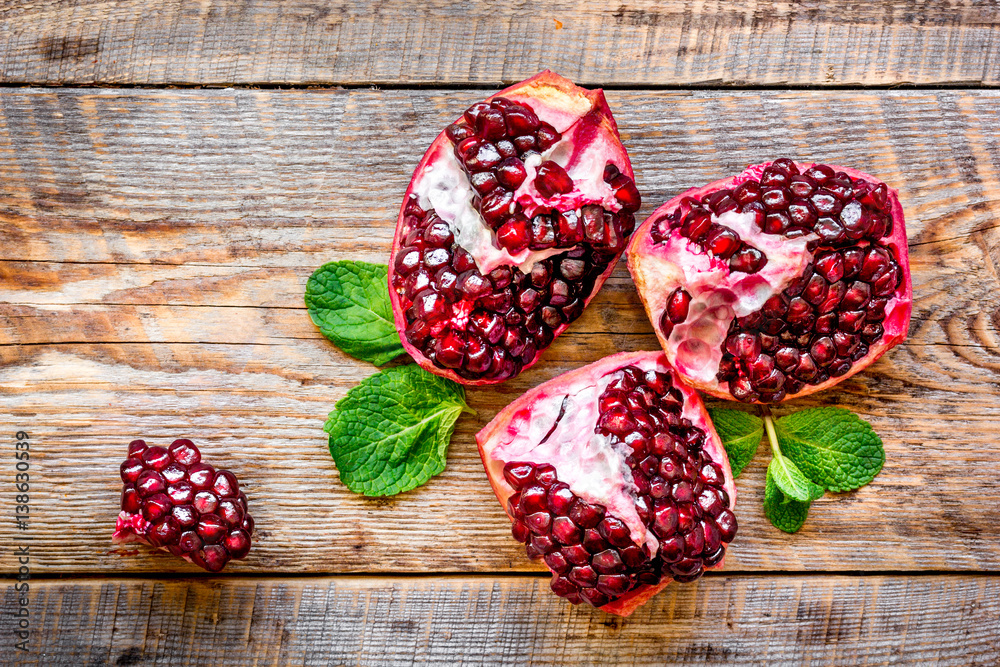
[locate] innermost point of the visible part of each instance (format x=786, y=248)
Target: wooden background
x=171, y=174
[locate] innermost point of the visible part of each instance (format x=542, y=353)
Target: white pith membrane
x=133, y=528
x=695, y=346
x=130, y=528
x=444, y=187
x=593, y=467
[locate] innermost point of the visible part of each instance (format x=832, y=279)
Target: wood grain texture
x=748, y=620
x=154, y=248
x=671, y=42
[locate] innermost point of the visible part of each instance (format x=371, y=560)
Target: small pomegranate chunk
x=614, y=476
x=513, y=220
x=796, y=277
x=174, y=502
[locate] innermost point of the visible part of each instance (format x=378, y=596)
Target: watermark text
x=22, y=515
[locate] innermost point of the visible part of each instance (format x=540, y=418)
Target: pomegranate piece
x=816, y=289
x=513, y=220
x=173, y=501
x=614, y=475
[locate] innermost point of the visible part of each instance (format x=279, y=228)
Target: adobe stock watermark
x=22, y=512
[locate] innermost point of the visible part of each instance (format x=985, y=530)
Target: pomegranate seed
x=694, y=543
x=672, y=549
x=560, y=499
x=802, y=186
x=586, y=515
x=156, y=458
x=823, y=351
x=450, y=350
x=747, y=192
x=743, y=345
x=149, y=483
x=628, y=195
x=131, y=469
x=212, y=557
x=722, y=242
x=538, y=523
x=185, y=515
x=677, y=305
x=164, y=532
x=515, y=234
x=205, y=502
x=747, y=260
x=618, y=421
x=696, y=224
x=495, y=208
x=820, y=173
x=131, y=501
x=156, y=506
x=533, y=499
x=583, y=576
x=546, y=137
x=776, y=198
x=518, y=474
x=777, y=222
x=211, y=528
x=775, y=175
x=181, y=492
x=615, y=532
x=225, y=485
x=230, y=511
x=665, y=520
x=136, y=448
x=180, y=515
x=825, y=202
x=608, y=562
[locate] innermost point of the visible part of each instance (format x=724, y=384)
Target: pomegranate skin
x=494, y=442
x=657, y=276
x=587, y=129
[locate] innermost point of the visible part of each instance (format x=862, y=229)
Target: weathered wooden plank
x=154, y=247
x=232, y=177
x=638, y=42
x=747, y=620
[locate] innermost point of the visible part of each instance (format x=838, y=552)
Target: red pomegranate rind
x=800, y=345
x=654, y=475
x=174, y=501
x=502, y=240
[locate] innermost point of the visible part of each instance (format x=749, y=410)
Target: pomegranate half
x=614, y=475
x=777, y=282
x=513, y=220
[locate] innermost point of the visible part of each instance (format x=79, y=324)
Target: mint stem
x=772, y=437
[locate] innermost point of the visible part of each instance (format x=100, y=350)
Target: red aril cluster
x=615, y=477
x=174, y=501
x=514, y=218
x=777, y=282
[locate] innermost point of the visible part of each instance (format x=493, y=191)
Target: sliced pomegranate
x=778, y=282
x=173, y=501
x=614, y=475
x=515, y=216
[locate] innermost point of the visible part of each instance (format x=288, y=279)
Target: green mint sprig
x=812, y=451
x=349, y=302
x=390, y=433
x=740, y=433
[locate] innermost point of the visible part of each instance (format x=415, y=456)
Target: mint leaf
x=784, y=513
x=390, y=433
x=832, y=446
x=740, y=433
x=790, y=479
x=349, y=302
